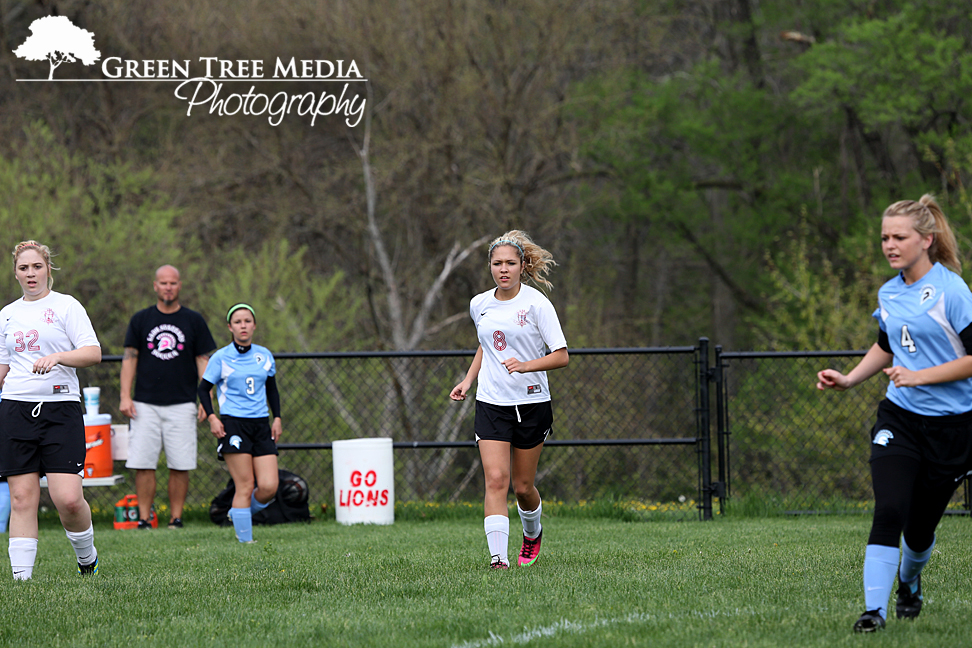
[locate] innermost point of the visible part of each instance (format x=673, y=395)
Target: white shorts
x=155, y=426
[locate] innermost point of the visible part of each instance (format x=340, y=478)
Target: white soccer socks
x=23, y=553
x=498, y=537
x=83, y=543
x=530, y=521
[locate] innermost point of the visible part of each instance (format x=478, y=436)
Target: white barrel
x=364, y=481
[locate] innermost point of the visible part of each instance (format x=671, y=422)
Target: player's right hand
x=458, y=392
x=831, y=379
x=216, y=426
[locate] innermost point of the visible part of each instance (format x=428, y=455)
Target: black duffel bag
x=290, y=504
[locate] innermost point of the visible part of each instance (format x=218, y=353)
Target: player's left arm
x=548, y=325
x=78, y=329
x=958, y=369
x=553, y=360
x=958, y=310
x=273, y=399
x=79, y=358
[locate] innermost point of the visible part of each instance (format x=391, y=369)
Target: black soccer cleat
x=908, y=605
x=870, y=621
x=88, y=570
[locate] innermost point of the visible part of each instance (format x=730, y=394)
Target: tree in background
x=298, y=309
x=107, y=224
x=663, y=147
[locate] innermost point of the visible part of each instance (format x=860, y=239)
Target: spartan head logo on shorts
x=882, y=438
x=165, y=341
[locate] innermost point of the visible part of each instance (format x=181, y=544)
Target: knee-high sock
x=530, y=521
x=498, y=536
x=83, y=543
x=880, y=567
x=256, y=505
x=23, y=552
x=242, y=523
x=912, y=562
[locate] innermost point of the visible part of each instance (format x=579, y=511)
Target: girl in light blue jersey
x=243, y=374
x=921, y=447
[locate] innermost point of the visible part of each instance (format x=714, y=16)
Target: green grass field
x=598, y=582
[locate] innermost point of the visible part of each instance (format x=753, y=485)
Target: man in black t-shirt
x=167, y=347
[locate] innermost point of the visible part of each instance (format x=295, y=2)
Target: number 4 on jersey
x=907, y=341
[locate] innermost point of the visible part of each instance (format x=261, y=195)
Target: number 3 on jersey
x=907, y=341
x=499, y=340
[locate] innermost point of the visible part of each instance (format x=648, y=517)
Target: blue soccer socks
x=880, y=568
x=242, y=523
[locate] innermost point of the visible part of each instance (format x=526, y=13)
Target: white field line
x=579, y=627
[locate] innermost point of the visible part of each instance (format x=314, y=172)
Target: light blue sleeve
x=214, y=367
x=877, y=315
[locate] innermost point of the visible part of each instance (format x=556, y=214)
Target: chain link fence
x=790, y=446
x=631, y=426
x=625, y=427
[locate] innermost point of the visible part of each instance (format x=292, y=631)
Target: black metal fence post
x=722, y=429
x=703, y=430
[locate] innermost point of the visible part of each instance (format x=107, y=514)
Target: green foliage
x=892, y=70
x=106, y=223
x=703, y=137
x=297, y=310
x=813, y=305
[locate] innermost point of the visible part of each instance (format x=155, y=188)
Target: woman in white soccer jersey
x=244, y=376
x=921, y=445
x=46, y=337
x=516, y=325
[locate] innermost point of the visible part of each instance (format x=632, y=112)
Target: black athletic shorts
x=41, y=437
x=250, y=436
x=522, y=426
x=942, y=443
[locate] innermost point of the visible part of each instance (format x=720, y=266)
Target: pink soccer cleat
x=530, y=550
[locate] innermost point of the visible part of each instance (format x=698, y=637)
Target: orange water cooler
x=97, y=441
